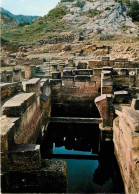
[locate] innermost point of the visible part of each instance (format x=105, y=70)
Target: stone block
x=56, y=82
x=68, y=81
x=33, y=85
x=82, y=72
x=94, y=64
x=82, y=78
x=8, y=89
x=17, y=105
x=67, y=73
x=107, y=90
x=54, y=67
x=71, y=63
x=51, y=177
x=135, y=104
x=132, y=116
x=56, y=75
x=27, y=68
x=17, y=74
x=3, y=77
x=82, y=65
x=97, y=72
x=25, y=156
x=121, y=96
x=8, y=128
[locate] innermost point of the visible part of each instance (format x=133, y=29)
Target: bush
x=134, y=11
x=23, y=24
x=80, y=4
x=107, y=8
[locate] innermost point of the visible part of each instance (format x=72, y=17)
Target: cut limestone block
x=132, y=117
x=33, y=85
x=17, y=105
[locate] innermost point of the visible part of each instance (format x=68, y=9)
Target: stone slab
x=17, y=105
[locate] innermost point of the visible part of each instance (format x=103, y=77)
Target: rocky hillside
x=85, y=19
x=18, y=18
x=103, y=17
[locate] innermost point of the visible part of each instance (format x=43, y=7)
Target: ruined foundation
x=95, y=92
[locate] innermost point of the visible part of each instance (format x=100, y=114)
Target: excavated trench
x=92, y=166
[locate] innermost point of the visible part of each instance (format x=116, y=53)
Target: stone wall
x=23, y=122
x=126, y=142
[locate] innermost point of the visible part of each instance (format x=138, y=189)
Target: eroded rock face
x=107, y=20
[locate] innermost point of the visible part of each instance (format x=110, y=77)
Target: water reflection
x=85, y=175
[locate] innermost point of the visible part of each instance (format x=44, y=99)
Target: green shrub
x=80, y=4
x=23, y=24
x=134, y=11
x=107, y=8
x=57, y=13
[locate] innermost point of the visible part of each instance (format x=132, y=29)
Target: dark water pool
x=85, y=175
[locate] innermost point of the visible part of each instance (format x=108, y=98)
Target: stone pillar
x=3, y=76
x=105, y=61
x=71, y=63
x=106, y=82
x=132, y=76
x=33, y=70
x=17, y=74
x=9, y=78
x=27, y=68
x=61, y=68
x=54, y=67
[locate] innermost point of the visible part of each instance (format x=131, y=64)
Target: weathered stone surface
x=8, y=128
x=67, y=73
x=51, y=177
x=82, y=78
x=126, y=144
x=16, y=74
x=82, y=65
x=25, y=157
x=54, y=67
x=82, y=72
x=17, y=105
x=56, y=75
x=8, y=89
x=132, y=117
x=33, y=85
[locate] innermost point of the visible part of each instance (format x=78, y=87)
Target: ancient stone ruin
x=107, y=91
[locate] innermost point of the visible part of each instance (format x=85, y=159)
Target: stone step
x=17, y=105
